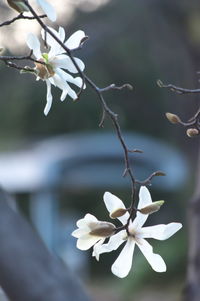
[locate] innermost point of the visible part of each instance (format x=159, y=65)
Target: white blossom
x=135, y=234
x=52, y=63
x=90, y=231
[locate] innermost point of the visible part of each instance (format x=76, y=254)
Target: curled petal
x=75, y=39
x=114, y=242
x=49, y=98
x=63, y=85
x=88, y=218
x=56, y=48
x=47, y=9
x=144, y=200
x=64, y=61
x=34, y=44
x=160, y=232
x=80, y=232
x=86, y=241
x=113, y=203
x=144, y=197
x=122, y=265
x=155, y=260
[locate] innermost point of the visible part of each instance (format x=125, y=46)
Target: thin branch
x=176, y=89
x=147, y=181
x=20, y=17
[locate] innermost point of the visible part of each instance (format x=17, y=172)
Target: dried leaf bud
x=44, y=71
x=118, y=212
x=192, y=132
x=103, y=229
x=155, y=206
x=172, y=118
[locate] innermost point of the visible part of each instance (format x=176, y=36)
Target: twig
x=19, y=17
x=176, y=89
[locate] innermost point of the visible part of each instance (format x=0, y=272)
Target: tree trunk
x=28, y=272
x=192, y=289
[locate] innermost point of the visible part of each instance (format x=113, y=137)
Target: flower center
x=45, y=70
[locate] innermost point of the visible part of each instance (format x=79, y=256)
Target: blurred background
x=59, y=166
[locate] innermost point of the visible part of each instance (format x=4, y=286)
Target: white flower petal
x=144, y=200
x=47, y=9
x=113, y=203
x=34, y=44
x=114, y=242
x=64, y=61
x=160, y=232
x=88, y=218
x=56, y=48
x=155, y=260
x=63, y=85
x=67, y=77
x=122, y=265
x=86, y=241
x=80, y=232
x=75, y=39
x=49, y=98
x=144, y=197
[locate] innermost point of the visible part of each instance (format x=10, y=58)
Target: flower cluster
x=52, y=63
x=131, y=233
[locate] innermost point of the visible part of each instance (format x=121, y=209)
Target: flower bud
x=192, y=132
x=173, y=118
x=18, y=5
x=118, y=212
x=155, y=206
x=103, y=229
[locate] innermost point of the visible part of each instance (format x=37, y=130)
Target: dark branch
x=19, y=17
x=176, y=89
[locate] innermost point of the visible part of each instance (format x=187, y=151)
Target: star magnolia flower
x=135, y=235
x=90, y=231
x=55, y=61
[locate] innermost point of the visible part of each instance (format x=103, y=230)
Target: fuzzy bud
x=192, y=132
x=155, y=206
x=103, y=229
x=118, y=212
x=173, y=118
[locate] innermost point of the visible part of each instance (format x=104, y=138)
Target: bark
x=192, y=289
x=28, y=272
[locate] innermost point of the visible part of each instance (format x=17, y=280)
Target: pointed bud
x=192, y=132
x=155, y=206
x=118, y=212
x=18, y=5
x=160, y=173
x=172, y=118
x=103, y=229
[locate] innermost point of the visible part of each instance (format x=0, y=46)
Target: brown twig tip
x=173, y=118
x=159, y=173
x=128, y=86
